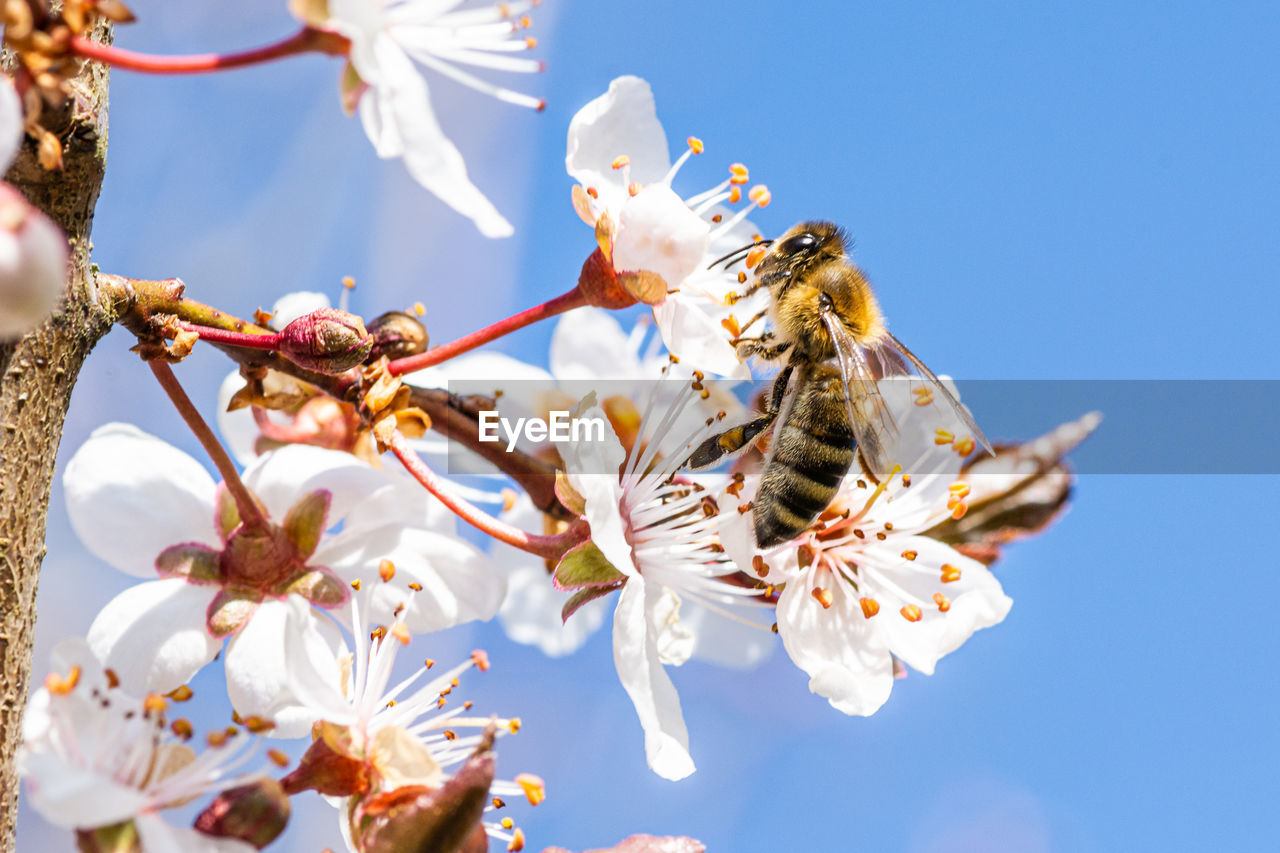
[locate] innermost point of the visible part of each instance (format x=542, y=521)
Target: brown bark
x=37, y=373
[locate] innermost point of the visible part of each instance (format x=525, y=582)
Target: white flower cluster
x=309, y=606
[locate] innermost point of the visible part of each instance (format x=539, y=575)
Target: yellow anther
x=154, y=703
x=619, y=162
x=944, y=603
x=735, y=194
x=535, y=790
x=911, y=613
x=942, y=436
x=965, y=446
x=823, y=597
x=633, y=189
x=419, y=309
x=59, y=685
x=870, y=607
x=958, y=511
x=507, y=823
x=909, y=555
x=513, y=725
x=760, y=195
x=182, y=728
x=278, y=758
x=738, y=173
x=386, y=570
x=754, y=256
x=950, y=573
x=216, y=739
x=517, y=840
x=695, y=144
x=401, y=632
x=959, y=488
x=481, y=659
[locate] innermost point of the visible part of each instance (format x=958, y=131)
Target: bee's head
x=802, y=249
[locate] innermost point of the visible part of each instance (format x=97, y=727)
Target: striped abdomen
x=813, y=450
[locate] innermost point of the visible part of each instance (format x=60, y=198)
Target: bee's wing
x=894, y=357
x=873, y=422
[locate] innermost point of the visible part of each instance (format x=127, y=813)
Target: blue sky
x=1038, y=192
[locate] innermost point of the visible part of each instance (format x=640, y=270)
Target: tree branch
x=37, y=373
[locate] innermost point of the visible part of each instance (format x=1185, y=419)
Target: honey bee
x=822, y=311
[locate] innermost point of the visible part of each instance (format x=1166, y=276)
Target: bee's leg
x=729, y=442
x=780, y=389
x=761, y=347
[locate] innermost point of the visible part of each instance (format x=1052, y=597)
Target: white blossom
x=617, y=151
x=94, y=756
x=146, y=508
x=864, y=586
x=661, y=536
x=33, y=251
x=391, y=41
x=408, y=729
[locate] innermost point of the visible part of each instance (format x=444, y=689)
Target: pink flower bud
x=33, y=264
x=326, y=341
x=255, y=813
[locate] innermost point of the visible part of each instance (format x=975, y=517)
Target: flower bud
x=255, y=813
x=397, y=334
x=326, y=341
x=33, y=264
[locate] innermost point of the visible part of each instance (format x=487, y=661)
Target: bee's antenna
x=738, y=254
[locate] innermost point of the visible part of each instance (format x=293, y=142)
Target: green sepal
x=585, y=566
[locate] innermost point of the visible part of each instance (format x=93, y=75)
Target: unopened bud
x=255, y=813
x=397, y=334
x=326, y=341
x=33, y=263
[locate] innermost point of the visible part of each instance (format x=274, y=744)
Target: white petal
x=72, y=796
x=622, y=121
x=635, y=655
x=977, y=601
x=291, y=306
x=658, y=232
x=156, y=836
x=10, y=123
x=153, y=635
x=397, y=114
x=281, y=477
x=261, y=657
x=841, y=650
x=673, y=638
x=131, y=495
x=592, y=467
x=696, y=336
x=459, y=583
x=530, y=613
x=589, y=344
x=315, y=676
x=239, y=430
x=33, y=264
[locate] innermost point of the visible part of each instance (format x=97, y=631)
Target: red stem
x=235, y=339
x=250, y=514
x=549, y=547
x=562, y=303
x=305, y=40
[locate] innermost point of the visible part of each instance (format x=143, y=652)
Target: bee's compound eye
x=799, y=243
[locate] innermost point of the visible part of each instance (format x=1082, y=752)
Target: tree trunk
x=37, y=373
